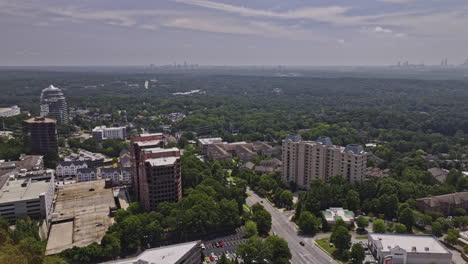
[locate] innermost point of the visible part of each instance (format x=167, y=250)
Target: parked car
x=203, y=246
x=207, y=259
x=212, y=258
x=220, y=243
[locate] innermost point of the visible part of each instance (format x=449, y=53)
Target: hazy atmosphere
x=240, y=32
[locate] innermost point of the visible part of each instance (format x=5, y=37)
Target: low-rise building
x=408, y=249
x=24, y=164
x=184, y=253
x=112, y=174
x=203, y=143
x=439, y=174
x=103, y=133
x=337, y=213
x=10, y=111
x=69, y=168
x=244, y=151
x=269, y=166
x=27, y=194
x=86, y=174
x=445, y=204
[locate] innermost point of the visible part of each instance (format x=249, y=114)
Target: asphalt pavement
x=283, y=227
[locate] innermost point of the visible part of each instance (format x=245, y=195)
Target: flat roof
x=210, y=140
x=160, y=150
x=86, y=205
x=163, y=255
x=147, y=143
x=408, y=242
x=40, y=120
x=12, y=191
x=151, y=134
x=163, y=161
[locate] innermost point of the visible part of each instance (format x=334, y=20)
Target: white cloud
x=382, y=30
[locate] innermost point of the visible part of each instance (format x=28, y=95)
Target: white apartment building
x=69, y=168
x=10, y=111
x=112, y=174
x=126, y=175
x=103, y=132
x=408, y=249
x=304, y=161
x=24, y=196
x=86, y=174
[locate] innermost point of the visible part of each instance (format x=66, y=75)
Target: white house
x=69, y=168
x=86, y=174
x=126, y=175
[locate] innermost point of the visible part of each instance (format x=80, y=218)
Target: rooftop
x=409, y=242
x=163, y=161
x=335, y=213
x=205, y=141
x=452, y=198
x=163, y=255
x=159, y=150
x=151, y=134
x=22, y=189
x=148, y=143
x=40, y=120
x=87, y=207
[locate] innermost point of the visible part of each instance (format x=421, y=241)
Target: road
x=308, y=254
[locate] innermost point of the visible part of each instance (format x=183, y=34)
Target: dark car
x=302, y=243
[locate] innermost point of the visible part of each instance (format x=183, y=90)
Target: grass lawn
x=325, y=244
x=246, y=208
x=362, y=237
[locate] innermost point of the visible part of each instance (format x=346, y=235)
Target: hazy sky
x=237, y=32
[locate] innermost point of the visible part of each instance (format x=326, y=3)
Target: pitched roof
x=453, y=199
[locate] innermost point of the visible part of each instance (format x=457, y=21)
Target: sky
x=235, y=32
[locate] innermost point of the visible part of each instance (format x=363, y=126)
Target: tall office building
x=304, y=161
x=54, y=105
x=41, y=134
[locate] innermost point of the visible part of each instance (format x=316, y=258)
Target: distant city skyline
x=236, y=32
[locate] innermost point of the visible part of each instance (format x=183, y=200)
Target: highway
x=308, y=254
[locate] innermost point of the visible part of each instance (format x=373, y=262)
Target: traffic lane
x=281, y=225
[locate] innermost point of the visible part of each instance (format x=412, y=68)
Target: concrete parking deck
x=82, y=212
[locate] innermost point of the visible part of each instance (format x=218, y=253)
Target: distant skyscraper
x=54, y=105
x=41, y=134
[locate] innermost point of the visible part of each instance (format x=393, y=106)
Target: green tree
x=286, y=199
x=308, y=223
x=406, y=217
x=263, y=220
x=400, y=228
x=279, y=250
x=352, y=200
x=110, y=244
x=341, y=238
x=250, y=229
x=379, y=226
x=357, y=253
x=437, y=229
x=452, y=236
x=362, y=223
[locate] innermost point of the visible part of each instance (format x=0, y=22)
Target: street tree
x=379, y=226
x=357, y=253
x=308, y=223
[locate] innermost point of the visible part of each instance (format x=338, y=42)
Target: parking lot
x=228, y=246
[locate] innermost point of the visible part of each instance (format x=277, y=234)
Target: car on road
x=220, y=243
x=302, y=243
x=261, y=201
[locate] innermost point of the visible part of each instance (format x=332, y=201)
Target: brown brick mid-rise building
x=157, y=175
x=41, y=134
x=136, y=146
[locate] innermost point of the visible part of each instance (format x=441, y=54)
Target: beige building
x=304, y=161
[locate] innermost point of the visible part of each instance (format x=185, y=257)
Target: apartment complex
x=10, y=111
x=25, y=194
x=216, y=149
x=103, y=133
x=445, y=204
x=112, y=174
x=408, y=249
x=86, y=174
x=41, y=134
x=54, y=105
x=69, y=168
x=304, y=161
